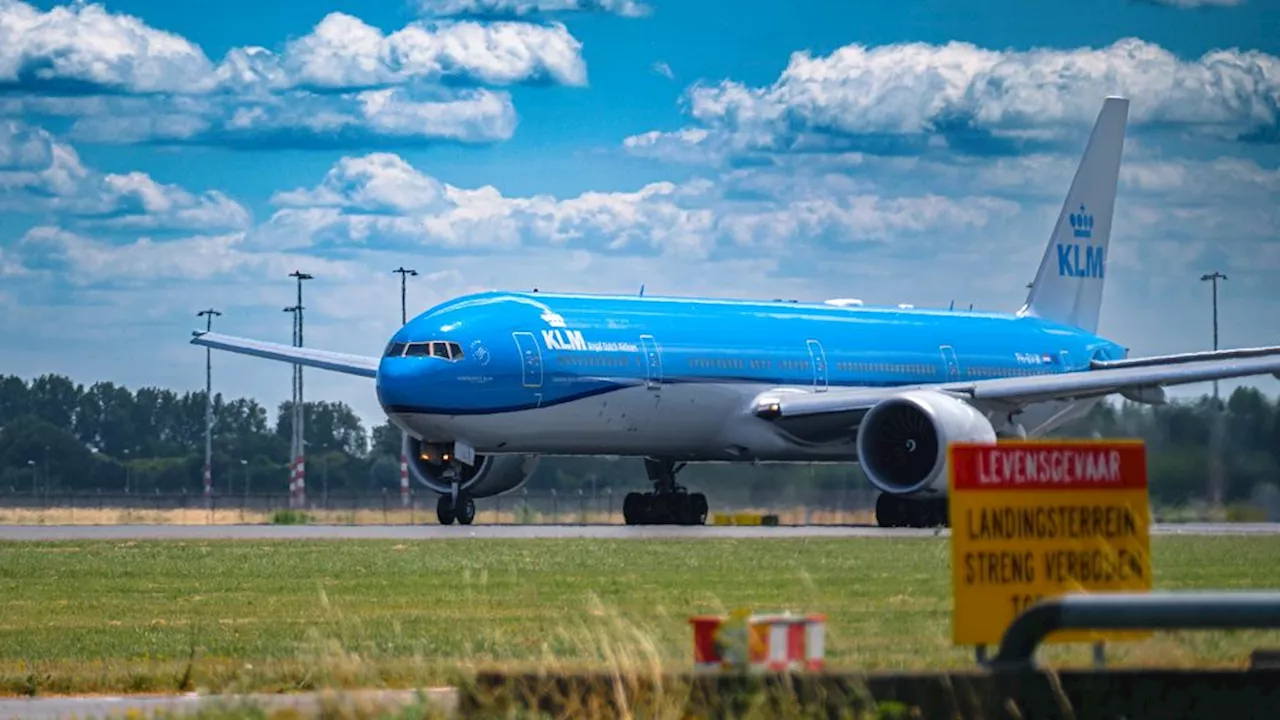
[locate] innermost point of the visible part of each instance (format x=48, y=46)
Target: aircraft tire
x=466, y=511
x=444, y=510
x=697, y=504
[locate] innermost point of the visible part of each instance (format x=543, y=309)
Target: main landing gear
x=912, y=512
x=668, y=504
x=457, y=505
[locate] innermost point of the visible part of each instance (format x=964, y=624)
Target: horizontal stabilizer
x=309, y=357
x=1231, y=354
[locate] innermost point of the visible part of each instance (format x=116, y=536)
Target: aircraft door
x=1065, y=359
x=530, y=359
x=950, y=362
x=652, y=362
x=819, y=359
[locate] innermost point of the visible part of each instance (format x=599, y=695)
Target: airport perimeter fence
x=848, y=506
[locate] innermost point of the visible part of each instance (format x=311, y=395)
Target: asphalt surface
x=308, y=703
x=445, y=532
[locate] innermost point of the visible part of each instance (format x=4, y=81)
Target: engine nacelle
x=902, y=441
x=490, y=475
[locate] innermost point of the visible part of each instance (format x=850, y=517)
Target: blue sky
x=157, y=158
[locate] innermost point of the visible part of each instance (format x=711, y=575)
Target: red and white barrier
x=762, y=643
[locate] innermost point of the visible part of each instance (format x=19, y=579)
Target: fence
x=846, y=506
x=519, y=507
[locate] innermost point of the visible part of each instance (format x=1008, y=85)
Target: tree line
x=59, y=436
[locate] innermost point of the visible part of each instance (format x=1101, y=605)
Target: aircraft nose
x=396, y=383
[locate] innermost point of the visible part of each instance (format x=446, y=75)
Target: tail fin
x=1068, y=286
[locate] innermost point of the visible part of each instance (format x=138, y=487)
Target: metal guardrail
x=1134, y=611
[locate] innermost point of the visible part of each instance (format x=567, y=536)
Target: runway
x=445, y=699
x=522, y=532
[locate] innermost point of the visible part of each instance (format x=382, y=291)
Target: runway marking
x=523, y=532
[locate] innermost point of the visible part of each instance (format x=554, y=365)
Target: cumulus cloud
x=291, y=120
x=62, y=186
x=85, y=46
x=907, y=96
x=380, y=197
x=344, y=84
x=525, y=8
x=92, y=261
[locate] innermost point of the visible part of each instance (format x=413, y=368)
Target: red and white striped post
x=404, y=478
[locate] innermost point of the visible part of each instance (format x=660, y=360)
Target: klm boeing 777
x=484, y=384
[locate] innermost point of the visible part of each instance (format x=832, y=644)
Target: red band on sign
x=1050, y=466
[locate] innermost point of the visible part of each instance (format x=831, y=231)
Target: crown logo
x=1082, y=223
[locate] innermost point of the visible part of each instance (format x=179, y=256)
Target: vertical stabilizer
x=1068, y=286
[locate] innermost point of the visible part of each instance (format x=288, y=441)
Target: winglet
x=1068, y=286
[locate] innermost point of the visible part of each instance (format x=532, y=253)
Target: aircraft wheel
x=698, y=509
x=444, y=510
x=892, y=511
x=633, y=508
x=466, y=511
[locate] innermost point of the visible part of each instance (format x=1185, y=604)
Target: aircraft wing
x=310, y=357
x=1134, y=375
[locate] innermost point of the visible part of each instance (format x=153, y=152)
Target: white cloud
x=86, y=44
x=345, y=83
x=295, y=119
x=915, y=90
x=63, y=187
x=23, y=147
x=381, y=198
x=524, y=8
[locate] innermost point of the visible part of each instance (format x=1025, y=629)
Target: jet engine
x=490, y=475
x=902, y=441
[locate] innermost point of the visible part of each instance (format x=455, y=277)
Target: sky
x=160, y=158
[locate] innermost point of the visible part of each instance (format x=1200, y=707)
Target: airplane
x=485, y=384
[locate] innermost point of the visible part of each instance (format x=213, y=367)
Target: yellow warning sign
x=1033, y=519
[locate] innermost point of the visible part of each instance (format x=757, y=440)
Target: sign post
x=1032, y=519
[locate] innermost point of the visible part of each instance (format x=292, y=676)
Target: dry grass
x=391, y=516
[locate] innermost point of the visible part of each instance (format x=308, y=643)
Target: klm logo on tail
x=1069, y=254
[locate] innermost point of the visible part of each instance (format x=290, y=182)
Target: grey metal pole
x=293, y=422
x=300, y=471
x=1216, y=490
x=405, y=497
x=208, y=315
x=403, y=273
x=1135, y=611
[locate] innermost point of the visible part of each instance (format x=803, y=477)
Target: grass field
x=237, y=615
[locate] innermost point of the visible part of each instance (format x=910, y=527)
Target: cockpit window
x=438, y=348
x=395, y=349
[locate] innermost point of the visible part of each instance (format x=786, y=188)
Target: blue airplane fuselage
x=578, y=374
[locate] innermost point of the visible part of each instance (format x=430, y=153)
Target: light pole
x=299, y=484
x=1216, y=478
x=404, y=439
x=208, y=315
x=403, y=273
